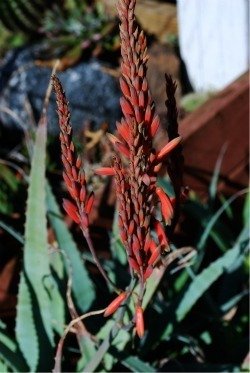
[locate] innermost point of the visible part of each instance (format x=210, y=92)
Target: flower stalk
x=74, y=176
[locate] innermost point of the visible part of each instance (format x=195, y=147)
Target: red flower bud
x=89, y=202
x=139, y=321
x=115, y=304
x=71, y=210
x=105, y=171
x=168, y=148
x=166, y=205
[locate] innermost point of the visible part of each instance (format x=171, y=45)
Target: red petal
x=71, y=210
x=131, y=227
x=82, y=195
x=168, y=148
x=161, y=233
x=74, y=172
x=148, y=272
x=123, y=235
x=148, y=114
x=137, y=83
x=146, y=179
x=126, y=107
x=123, y=130
x=139, y=321
x=115, y=304
x=89, y=203
x=73, y=192
x=105, y=171
x=67, y=180
x=142, y=99
x=78, y=162
x=157, y=167
x=152, y=246
x=136, y=243
x=141, y=71
x=123, y=149
x=154, y=256
x=124, y=87
x=144, y=85
x=154, y=126
x=133, y=264
x=138, y=257
x=147, y=244
x=133, y=96
x=166, y=205
x=138, y=114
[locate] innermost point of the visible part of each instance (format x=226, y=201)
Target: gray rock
x=93, y=94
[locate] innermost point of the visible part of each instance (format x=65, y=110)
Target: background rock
x=92, y=93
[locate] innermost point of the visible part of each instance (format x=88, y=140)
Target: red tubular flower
x=71, y=210
x=115, y=304
x=168, y=148
x=139, y=321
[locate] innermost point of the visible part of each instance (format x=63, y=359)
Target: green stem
x=97, y=262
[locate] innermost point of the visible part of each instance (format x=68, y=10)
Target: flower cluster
x=136, y=184
x=136, y=187
x=135, y=166
x=73, y=173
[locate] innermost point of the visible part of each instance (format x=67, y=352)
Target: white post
x=214, y=41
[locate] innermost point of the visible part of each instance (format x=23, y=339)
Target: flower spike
x=135, y=166
x=73, y=175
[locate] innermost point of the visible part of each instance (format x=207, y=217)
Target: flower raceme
x=73, y=173
x=136, y=164
x=136, y=185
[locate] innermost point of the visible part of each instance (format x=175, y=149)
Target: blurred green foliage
x=9, y=40
x=65, y=28
x=192, y=101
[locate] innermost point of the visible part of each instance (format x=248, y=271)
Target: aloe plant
x=192, y=313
